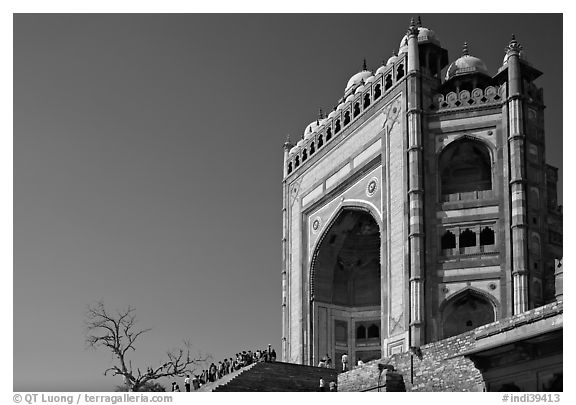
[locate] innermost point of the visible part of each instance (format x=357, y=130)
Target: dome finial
x=288, y=143
x=321, y=114
x=419, y=22
x=513, y=45
x=465, y=49
x=364, y=65
x=413, y=28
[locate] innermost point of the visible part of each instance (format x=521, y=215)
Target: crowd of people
x=226, y=366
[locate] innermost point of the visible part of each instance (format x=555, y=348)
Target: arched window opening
x=312, y=149
x=373, y=331
x=465, y=312
x=366, y=100
x=486, y=236
x=388, y=82
x=297, y=160
x=346, y=117
x=361, y=332
x=400, y=72
x=337, y=127
x=328, y=134
x=356, y=109
x=448, y=240
x=467, y=238
x=320, y=141
x=289, y=167
x=465, y=166
x=377, y=91
x=304, y=155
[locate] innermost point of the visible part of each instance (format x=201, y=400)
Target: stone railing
x=467, y=99
x=349, y=110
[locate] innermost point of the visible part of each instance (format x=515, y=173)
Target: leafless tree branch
x=118, y=333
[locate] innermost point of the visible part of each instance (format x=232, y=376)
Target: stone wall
x=442, y=366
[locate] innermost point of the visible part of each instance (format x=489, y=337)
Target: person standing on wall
x=344, y=362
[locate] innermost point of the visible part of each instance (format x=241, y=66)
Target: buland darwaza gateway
x=420, y=208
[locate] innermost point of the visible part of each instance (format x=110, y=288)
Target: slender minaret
x=415, y=189
x=516, y=140
x=287, y=146
x=284, y=272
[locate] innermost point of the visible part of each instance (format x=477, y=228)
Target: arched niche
x=465, y=165
x=346, y=265
x=465, y=311
x=345, y=286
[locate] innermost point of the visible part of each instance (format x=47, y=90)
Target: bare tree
x=118, y=333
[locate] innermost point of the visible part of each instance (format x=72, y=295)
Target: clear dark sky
x=148, y=166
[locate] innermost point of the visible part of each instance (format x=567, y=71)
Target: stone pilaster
x=516, y=145
x=285, y=255
x=415, y=190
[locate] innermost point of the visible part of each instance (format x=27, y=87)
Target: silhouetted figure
x=344, y=362
x=328, y=361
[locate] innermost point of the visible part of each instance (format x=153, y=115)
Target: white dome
x=350, y=98
x=381, y=69
x=359, y=89
x=370, y=79
x=294, y=150
x=466, y=65
x=391, y=60
x=424, y=35
x=300, y=143
x=312, y=127
x=332, y=114
x=357, y=78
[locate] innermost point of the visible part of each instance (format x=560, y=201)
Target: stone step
x=273, y=377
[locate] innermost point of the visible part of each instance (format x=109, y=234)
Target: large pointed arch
x=345, y=283
x=466, y=310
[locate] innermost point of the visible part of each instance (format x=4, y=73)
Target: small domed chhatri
x=424, y=35
x=466, y=64
x=385, y=64
x=358, y=77
x=312, y=127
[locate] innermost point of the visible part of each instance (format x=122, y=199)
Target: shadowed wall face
x=347, y=289
x=465, y=166
x=465, y=313
x=348, y=264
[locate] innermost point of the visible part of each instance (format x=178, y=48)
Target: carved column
x=415, y=190
x=516, y=145
x=285, y=256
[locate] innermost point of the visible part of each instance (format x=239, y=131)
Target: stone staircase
x=273, y=377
